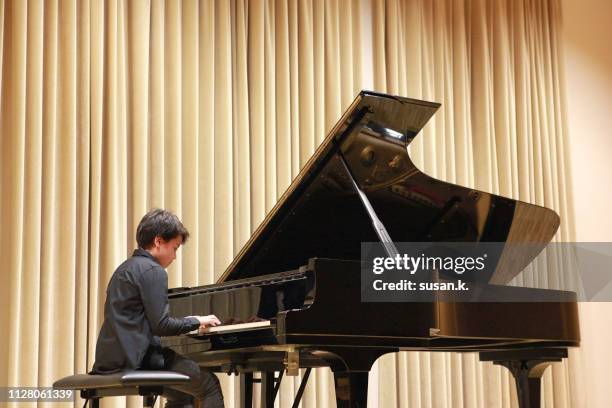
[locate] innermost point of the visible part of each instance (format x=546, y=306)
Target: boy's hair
x=161, y=223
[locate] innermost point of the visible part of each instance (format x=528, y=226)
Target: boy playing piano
x=136, y=314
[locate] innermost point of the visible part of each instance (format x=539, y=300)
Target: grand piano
x=292, y=297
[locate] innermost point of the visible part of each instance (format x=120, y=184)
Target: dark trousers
x=203, y=385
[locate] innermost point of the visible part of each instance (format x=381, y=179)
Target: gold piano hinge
x=433, y=332
x=292, y=362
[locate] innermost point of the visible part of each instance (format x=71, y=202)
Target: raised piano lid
x=321, y=215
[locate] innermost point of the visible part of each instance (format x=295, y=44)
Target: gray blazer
x=135, y=315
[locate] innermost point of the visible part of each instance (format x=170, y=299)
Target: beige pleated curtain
x=209, y=109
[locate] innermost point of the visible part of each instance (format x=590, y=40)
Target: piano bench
x=93, y=387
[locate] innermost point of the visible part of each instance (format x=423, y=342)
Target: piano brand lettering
x=405, y=262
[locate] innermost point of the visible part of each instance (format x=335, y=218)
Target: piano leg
x=246, y=390
x=527, y=375
x=267, y=389
x=351, y=367
x=351, y=389
x=527, y=368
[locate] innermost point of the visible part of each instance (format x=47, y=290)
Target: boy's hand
x=206, y=321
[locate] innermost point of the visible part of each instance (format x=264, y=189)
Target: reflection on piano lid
x=321, y=213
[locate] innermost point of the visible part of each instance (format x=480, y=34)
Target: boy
x=136, y=314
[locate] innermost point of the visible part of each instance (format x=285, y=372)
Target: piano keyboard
x=228, y=328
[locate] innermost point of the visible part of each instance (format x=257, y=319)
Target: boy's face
x=165, y=251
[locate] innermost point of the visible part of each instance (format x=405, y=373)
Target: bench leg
x=93, y=403
x=148, y=401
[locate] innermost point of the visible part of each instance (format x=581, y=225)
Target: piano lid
x=322, y=214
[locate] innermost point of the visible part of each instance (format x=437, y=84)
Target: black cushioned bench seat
x=146, y=383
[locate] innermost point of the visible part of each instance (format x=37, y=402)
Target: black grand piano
x=291, y=298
